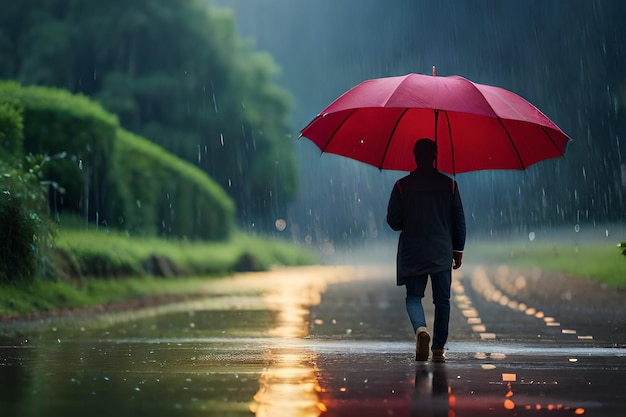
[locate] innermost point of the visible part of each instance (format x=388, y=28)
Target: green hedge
x=108, y=175
x=164, y=195
x=11, y=128
x=25, y=228
x=78, y=135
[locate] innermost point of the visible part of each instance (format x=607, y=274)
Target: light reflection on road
x=289, y=385
x=324, y=341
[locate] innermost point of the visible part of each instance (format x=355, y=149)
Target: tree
x=173, y=71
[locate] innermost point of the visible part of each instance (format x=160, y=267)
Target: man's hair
x=425, y=152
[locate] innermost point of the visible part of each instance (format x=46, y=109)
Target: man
x=426, y=207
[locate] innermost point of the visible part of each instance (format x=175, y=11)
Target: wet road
x=329, y=341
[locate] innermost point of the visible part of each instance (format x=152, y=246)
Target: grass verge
x=599, y=261
x=42, y=296
x=104, y=254
x=93, y=268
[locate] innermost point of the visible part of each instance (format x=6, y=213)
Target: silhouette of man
x=425, y=206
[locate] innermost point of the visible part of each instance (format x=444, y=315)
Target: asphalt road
x=328, y=341
x=521, y=343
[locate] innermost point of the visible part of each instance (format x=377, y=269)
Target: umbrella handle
x=451, y=144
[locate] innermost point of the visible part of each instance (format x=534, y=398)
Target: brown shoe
x=439, y=355
x=422, y=344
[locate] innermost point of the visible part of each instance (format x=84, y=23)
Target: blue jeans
x=441, y=282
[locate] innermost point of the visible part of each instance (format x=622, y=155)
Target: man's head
x=425, y=152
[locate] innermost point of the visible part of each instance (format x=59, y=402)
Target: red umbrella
x=476, y=126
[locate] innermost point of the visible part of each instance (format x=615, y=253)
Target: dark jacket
x=426, y=207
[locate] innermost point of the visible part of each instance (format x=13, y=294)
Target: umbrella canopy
x=476, y=126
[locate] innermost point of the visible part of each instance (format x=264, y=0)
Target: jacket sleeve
x=394, y=209
x=458, y=222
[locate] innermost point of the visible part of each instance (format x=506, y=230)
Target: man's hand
x=457, y=258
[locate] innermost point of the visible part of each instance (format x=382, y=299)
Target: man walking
x=425, y=206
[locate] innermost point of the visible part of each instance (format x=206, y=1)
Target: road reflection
x=344, y=375
x=213, y=357
x=288, y=386
x=510, y=402
x=432, y=395
x=436, y=396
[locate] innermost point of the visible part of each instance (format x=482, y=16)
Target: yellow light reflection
x=289, y=386
x=470, y=313
x=530, y=311
x=288, y=391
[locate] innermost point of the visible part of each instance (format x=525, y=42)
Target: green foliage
x=211, y=99
x=124, y=256
x=110, y=176
x=268, y=252
x=39, y=295
x=80, y=136
x=24, y=224
x=162, y=194
x=270, y=178
x=588, y=260
x=11, y=128
x=119, y=255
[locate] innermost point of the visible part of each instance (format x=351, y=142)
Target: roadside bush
x=163, y=195
x=109, y=176
x=79, y=137
x=25, y=227
x=11, y=129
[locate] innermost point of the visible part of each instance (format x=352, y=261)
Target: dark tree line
x=174, y=71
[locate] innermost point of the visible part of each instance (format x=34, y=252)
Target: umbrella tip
x=434, y=71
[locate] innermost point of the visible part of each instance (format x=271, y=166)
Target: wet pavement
x=329, y=341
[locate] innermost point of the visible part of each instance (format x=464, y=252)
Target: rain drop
x=280, y=224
